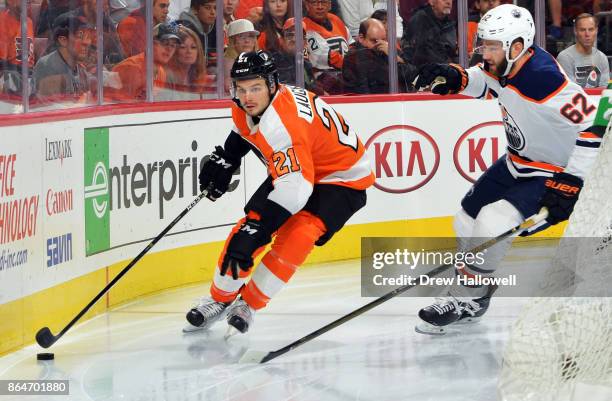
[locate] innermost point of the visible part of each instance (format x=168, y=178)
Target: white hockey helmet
x=506, y=23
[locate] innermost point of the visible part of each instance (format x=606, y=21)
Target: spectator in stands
x=132, y=71
x=229, y=7
x=112, y=51
x=61, y=74
x=242, y=38
x=132, y=29
x=380, y=6
x=481, y=6
x=328, y=40
x=201, y=18
x=366, y=65
x=583, y=63
x=11, y=47
x=354, y=12
x=187, y=68
x=380, y=15
x=253, y=10
x=430, y=35
x=284, y=58
x=276, y=13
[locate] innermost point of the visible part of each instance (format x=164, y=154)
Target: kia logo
x=405, y=158
x=477, y=149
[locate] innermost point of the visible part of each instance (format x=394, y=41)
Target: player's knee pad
x=496, y=218
x=296, y=238
x=493, y=220
x=463, y=225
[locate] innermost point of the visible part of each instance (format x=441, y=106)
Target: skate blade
x=231, y=332
x=188, y=329
x=430, y=329
x=253, y=356
x=468, y=320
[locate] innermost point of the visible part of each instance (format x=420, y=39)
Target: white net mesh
x=561, y=346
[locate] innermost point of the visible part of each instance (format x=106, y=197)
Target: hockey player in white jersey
x=552, y=144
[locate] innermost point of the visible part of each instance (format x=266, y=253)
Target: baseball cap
x=70, y=25
x=241, y=26
x=290, y=24
x=166, y=30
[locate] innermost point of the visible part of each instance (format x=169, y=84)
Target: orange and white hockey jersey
x=304, y=142
x=327, y=48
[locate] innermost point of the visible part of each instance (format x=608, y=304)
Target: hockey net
x=561, y=346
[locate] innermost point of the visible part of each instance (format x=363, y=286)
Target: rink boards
x=80, y=197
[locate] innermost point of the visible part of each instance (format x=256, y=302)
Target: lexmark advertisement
x=138, y=178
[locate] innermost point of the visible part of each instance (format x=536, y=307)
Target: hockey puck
x=45, y=356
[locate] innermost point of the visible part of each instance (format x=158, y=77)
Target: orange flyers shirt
x=133, y=78
x=327, y=48
x=11, y=48
x=304, y=141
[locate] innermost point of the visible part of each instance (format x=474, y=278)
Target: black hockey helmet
x=256, y=64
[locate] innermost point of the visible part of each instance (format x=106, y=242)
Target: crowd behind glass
x=93, y=52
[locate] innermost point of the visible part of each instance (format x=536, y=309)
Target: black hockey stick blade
x=45, y=338
x=263, y=357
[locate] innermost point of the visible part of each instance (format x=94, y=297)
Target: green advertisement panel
x=97, y=199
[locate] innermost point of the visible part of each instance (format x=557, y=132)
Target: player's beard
x=500, y=68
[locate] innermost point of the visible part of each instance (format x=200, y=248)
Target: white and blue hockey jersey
x=545, y=116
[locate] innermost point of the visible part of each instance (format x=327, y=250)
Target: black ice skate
x=205, y=314
x=239, y=318
x=450, y=311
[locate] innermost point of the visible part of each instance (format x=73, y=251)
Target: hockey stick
x=45, y=337
x=262, y=357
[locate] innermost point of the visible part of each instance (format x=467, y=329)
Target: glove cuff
x=227, y=156
x=463, y=78
x=574, y=179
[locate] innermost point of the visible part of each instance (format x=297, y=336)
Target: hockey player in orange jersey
x=318, y=173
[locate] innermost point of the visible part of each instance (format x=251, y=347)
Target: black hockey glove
x=561, y=194
x=443, y=78
x=239, y=252
x=216, y=173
